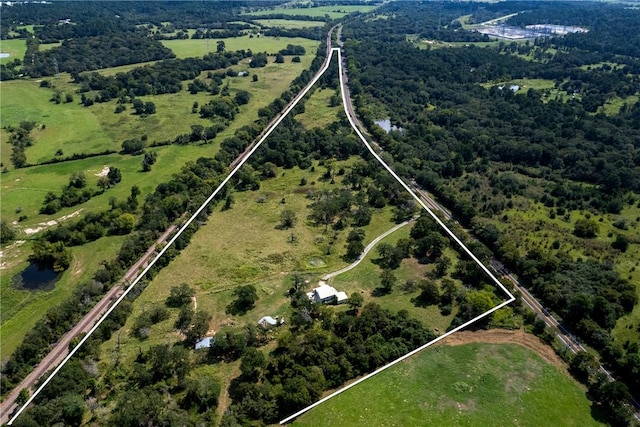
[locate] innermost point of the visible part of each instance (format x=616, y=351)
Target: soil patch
x=503, y=336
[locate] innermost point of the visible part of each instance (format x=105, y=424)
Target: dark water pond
x=36, y=278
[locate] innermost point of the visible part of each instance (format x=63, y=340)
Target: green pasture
x=288, y=23
x=242, y=246
x=525, y=84
x=467, y=385
x=16, y=48
x=366, y=277
x=612, y=106
x=21, y=309
x=318, y=112
x=48, y=46
x=331, y=12
x=195, y=48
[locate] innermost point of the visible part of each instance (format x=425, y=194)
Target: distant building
x=243, y=74
x=326, y=294
x=204, y=343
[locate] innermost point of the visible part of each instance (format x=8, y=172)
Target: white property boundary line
x=441, y=224
x=173, y=239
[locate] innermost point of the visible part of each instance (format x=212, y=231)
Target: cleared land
x=318, y=110
x=16, y=49
x=79, y=129
x=472, y=385
x=333, y=12
x=255, y=252
x=21, y=309
x=194, y=48
x=288, y=23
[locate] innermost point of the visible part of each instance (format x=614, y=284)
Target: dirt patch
x=44, y=225
x=502, y=336
x=104, y=172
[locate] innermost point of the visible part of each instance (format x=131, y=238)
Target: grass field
x=26, y=188
x=525, y=84
x=16, y=48
x=471, y=385
x=366, y=277
x=21, y=309
x=243, y=246
x=318, y=112
x=612, y=106
x=194, y=48
x=333, y=12
x=288, y=23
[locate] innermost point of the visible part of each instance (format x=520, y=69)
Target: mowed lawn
x=333, y=12
x=16, y=49
x=467, y=385
x=196, y=47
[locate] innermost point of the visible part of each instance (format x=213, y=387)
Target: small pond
x=36, y=278
x=387, y=126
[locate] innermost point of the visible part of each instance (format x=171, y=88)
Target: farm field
x=472, y=385
x=97, y=127
x=333, y=12
x=16, y=49
x=194, y=48
x=288, y=23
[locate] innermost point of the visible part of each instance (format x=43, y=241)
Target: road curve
x=364, y=253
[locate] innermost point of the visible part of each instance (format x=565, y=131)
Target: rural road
x=60, y=350
x=364, y=253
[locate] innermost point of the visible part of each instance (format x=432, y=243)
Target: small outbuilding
x=204, y=343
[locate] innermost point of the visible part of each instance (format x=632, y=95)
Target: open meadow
x=243, y=245
x=16, y=49
x=331, y=12
x=471, y=385
x=318, y=109
x=288, y=23
x=199, y=47
x=76, y=129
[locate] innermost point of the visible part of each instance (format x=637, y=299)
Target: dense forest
x=460, y=128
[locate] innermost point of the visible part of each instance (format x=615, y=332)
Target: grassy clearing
x=243, y=246
x=331, y=12
x=16, y=48
x=532, y=225
x=21, y=309
x=49, y=46
x=471, y=385
x=366, y=277
x=318, y=112
x=70, y=126
x=525, y=84
x=288, y=23
x=26, y=188
x=195, y=48
x=612, y=106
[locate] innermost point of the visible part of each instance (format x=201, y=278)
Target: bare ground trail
x=503, y=336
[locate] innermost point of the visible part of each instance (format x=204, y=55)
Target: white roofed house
x=325, y=294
